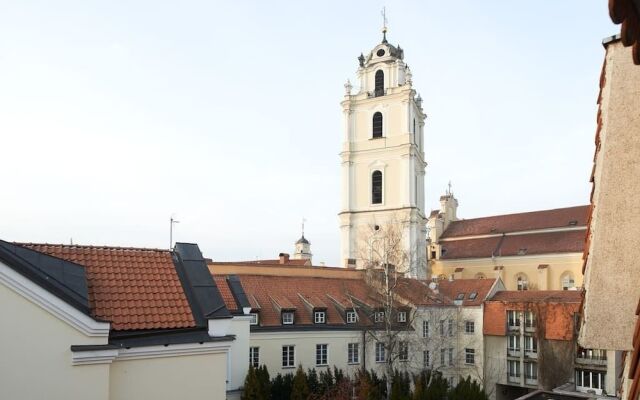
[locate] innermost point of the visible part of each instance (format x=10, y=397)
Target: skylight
x=460, y=296
x=473, y=296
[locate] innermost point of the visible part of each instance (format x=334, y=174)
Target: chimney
x=284, y=258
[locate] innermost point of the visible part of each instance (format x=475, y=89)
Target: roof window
x=460, y=296
x=573, y=222
x=473, y=296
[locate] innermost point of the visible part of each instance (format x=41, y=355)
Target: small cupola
x=302, y=248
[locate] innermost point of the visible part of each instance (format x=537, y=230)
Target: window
x=514, y=342
x=513, y=368
x=530, y=344
x=254, y=319
x=469, y=356
x=469, y=326
x=521, y=282
x=351, y=317
x=353, y=353
x=376, y=187
x=402, y=316
x=450, y=327
x=378, y=316
x=425, y=328
x=288, y=356
x=403, y=351
x=443, y=352
x=287, y=318
x=460, y=296
x=530, y=370
x=592, y=354
x=321, y=354
x=254, y=356
x=441, y=327
x=376, y=131
x=450, y=355
x=426, y=358
x=480, y=275
x=529, y=320
x=473, y=295
x=380, y=356
x=568, y=282
x=319, y=317
x=513, y=318
x=379, y=83
x=586, y=379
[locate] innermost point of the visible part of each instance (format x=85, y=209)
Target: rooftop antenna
x=384, y=24
x=172, y=222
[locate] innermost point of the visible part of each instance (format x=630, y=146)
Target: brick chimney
x=284, y=258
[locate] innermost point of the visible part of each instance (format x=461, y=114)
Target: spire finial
x=449, y=188
x=384, y=24
x=303, y=221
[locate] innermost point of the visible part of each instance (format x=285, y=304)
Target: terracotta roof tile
x=261, y=289
x=513, y=245
x=556, y=218
x=548, y=296
x=419, y=293
x=225, y=292
x=127, y=284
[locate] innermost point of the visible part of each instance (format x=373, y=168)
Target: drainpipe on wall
x=364, y=351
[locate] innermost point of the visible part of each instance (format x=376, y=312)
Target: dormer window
x=351, y=317
x=378, y=317
x=254, y=319
x=287, y=318
x=402, y=316
x=319, y=317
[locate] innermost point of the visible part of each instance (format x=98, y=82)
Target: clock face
x=380, y=53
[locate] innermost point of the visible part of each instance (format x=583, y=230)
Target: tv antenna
x=172, y=222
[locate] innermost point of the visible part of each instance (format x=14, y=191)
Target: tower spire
x=384, y=24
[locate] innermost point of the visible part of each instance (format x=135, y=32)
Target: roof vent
x=522, y=251
x=573, y=222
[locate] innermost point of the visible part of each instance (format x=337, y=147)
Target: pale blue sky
x=114, y=115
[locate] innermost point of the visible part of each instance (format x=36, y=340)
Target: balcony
x=593, y=360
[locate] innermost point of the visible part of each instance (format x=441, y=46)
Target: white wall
x=239, y=352
x=182, y=377
x=35, y=355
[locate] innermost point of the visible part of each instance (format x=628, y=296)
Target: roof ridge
x=91, y=246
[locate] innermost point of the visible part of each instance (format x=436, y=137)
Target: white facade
x=391, y=146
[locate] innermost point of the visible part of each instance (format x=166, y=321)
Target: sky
x=114, y=116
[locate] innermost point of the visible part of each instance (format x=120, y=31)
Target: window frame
x=254, y=356
x=469, y=354
x=378, y=317
x=320, y=317
x=403, y=351
x=469, y=324
x=285, y=319
x=374, y=193
x=377, y=125
x=380, y=352
x=288, y=351
x=353, y=353
x=426, y=358
x=516, y=340
x=255, y=318
x=425, y=329
x=351, y=317
x=402, y=316
x=322, y=354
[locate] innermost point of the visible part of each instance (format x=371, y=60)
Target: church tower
x=383, y=161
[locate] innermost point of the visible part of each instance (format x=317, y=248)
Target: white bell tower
x=383, y=161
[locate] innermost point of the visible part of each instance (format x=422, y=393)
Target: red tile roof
x=513, y=245
x=289, y=292
x=419, y=293
x=130, y=287
x=290, y=261
x=556, y=218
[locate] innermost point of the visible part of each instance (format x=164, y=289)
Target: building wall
x=36, y=356
x=181, y=377
x=495, y=361
x=549, y=278
x=270, y=344
x=613, y=253
x=238, y=359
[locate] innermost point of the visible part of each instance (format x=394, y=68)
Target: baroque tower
x=383, y=161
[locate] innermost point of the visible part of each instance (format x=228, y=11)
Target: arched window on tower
x=379, y=88
x=377, y=125
x=376, y=187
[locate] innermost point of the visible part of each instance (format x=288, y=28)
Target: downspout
x=364, y=351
